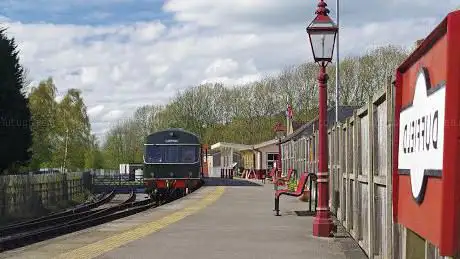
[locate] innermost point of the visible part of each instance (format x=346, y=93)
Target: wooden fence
x=360, y=166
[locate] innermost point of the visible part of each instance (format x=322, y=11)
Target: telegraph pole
x=337, y=74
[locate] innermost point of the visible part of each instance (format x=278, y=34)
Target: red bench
x=271, y=174
x=261, y=174
x=297, y=193
x=284, y=180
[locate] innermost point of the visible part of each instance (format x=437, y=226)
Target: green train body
x=172, y=162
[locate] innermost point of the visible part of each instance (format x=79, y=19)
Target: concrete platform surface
x=241, y=224
x=91, y=242
x=225, y=219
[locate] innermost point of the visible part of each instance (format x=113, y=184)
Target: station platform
x=223, y=219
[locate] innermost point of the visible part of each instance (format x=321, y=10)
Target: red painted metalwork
x=204, y=160
x=280, y=130
x=322, y=223
x=180, y=184
x=437, y=217
x=322, y=25
x=160, y=183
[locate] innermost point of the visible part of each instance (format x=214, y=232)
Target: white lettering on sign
x=171, y=141
x=421, y=135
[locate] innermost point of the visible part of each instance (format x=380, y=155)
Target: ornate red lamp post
x=322, y=32
x=280, y=132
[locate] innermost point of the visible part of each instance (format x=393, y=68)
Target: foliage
x=61, y=130
x=43, y=107
x=246, y=113
x=292, y=184
x=15, y=131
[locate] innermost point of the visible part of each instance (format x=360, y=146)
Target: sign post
x=426, y=150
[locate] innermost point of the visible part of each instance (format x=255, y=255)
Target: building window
x=271, y=158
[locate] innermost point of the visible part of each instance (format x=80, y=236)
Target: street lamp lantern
x=322, y=32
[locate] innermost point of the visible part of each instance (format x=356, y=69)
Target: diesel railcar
x=172, y=163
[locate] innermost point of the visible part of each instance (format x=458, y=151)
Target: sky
x=124, y=54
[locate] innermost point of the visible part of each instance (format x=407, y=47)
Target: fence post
x=370, y=165
x=338, y=174
x=333, y=171
x=308, y=154
x=347, y=142
x=389, y=190
x=316, y=152
x=356, y=154
x=65, y=188
x=330, y=170
x=341, y=144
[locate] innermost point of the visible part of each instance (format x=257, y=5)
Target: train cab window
x=189, y=154
x=153, y=154
x=172, y=154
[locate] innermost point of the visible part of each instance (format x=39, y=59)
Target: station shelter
x=224, y=156
x=261, y=156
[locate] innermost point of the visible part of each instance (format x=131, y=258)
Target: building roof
x=241, y=147
x=235, y=146
x=266, y=143
x=306, y=129
x=297, y=124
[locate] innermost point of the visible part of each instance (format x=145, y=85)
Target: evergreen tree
x=15, y=116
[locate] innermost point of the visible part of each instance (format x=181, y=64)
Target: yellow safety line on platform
x=108, y=244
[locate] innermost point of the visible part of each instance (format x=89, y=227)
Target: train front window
x=153, y=154
x=189, y=154
x=172, y=154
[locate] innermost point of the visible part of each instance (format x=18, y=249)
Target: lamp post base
x=323, y=225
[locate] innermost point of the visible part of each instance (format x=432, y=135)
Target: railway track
x=107, y=209
x=54, y=217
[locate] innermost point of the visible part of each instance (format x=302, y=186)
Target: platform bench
x=282, y=181
x=297, y=193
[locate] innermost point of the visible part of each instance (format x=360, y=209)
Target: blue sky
x=98, y=12
x=127, y=53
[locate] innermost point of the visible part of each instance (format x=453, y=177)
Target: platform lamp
x=322, y=32
x=280, y=131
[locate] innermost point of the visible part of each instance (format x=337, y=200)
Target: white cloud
x=221, y=67
x=112, y=115
x=120, y=67
x=95, y=111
